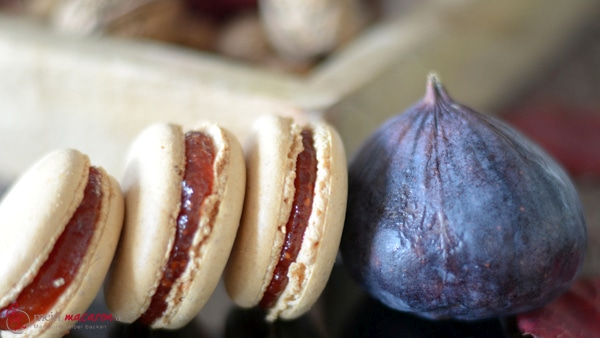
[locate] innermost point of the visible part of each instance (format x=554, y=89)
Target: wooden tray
x=96, y=94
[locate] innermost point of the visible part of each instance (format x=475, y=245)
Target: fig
x=453, y=214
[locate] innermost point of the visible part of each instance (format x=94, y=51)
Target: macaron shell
x=204, y=271
x=88, y=281
x=152, y=189
x=34, y=213
x=271, y=163
x=312, y=268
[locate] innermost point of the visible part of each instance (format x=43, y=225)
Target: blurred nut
x=243, y=37
x=302, y=30
x=80, y=16
x=41, y=9
x=167, y=21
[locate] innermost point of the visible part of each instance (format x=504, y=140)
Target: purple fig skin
x=453, y=214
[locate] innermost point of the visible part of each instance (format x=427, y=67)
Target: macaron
x=293, y=217
x=59, y=229
x=184, y=192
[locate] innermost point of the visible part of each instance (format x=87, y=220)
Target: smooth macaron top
x=153, y=189
x=55, y=186
x=271, y=161
x=271, y=164
x=33, y=214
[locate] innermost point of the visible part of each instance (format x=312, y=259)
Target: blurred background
x=90, y=74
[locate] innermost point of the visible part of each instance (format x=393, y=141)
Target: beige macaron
x=59, y=212
x=156, y=189
x=271, y=159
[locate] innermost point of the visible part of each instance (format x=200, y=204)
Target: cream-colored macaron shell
x=152, y=187
x=34, y=214
x=271, y=157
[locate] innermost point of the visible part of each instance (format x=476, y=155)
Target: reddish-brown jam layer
x=197, y=184
x=62, y=265
x=306, y=176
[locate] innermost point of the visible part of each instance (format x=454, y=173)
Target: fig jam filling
x=197, y=184
x=306, y=176
x=57, y=273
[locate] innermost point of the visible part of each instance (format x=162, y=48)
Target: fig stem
x=434, y=90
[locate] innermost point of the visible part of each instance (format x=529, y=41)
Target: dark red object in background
x=220, y=9
x=570, y=134
x=575, y=314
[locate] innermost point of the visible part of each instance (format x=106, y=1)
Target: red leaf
x=575, y=314
x=570, y=134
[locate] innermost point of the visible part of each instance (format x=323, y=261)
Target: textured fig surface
x=453, y=214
